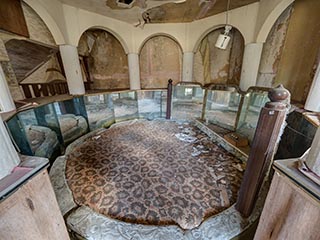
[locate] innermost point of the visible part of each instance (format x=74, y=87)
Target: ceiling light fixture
x=224, y=38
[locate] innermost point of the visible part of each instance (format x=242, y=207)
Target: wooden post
x=169, y=99
x=264, y=144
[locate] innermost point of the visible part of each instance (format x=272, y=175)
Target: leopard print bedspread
x=154, y=172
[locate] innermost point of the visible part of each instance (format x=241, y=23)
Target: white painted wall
x=250, y=65
x=134, y=71
x=67, y=23
x=71, y=64
x=254, y=21
x=187, y=66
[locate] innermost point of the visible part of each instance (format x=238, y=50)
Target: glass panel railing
x=222, y=107
x=44, y=136
x=100, y=110
x=151, y=104
x=72, y=117
x=249, y=115
x=125, y=106
x=18, y=135
x=187, y=102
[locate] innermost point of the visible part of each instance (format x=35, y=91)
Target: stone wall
x=107, y=60
x=213, y=65
x=160, y=60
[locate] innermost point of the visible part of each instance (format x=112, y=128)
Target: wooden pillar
x=266, y=138
x=169, y=99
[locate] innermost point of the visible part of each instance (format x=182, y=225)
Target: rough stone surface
x=72, y=126
x=59, y=183
x=38, y=30
x=272, y=50
x=108, y=63
x=160, y=60
x=213, y=65
x=43, y=141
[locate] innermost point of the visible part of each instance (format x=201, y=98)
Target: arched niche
x=291, y=54
x=271, y=19
x=47, y=19
x=272, y=50
x=213, y=65
x=160, y=60
x=104, y=60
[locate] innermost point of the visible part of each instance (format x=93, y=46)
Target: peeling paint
x=108, y=63
x=222, y=66
x=300, y=50
x=160, y=60
x=272, y=50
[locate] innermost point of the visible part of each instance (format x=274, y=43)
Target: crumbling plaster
x=67, y=24
x=269, y=12
x=71, y=22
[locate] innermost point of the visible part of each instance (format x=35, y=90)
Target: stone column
x=71, y=65
x=313, y=100
x=313, y=158
x=134, y=71
x=9, y=157
x=250, y=65
x=187, y=68
x=6, y=101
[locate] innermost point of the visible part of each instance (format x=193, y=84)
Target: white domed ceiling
x=157, y=11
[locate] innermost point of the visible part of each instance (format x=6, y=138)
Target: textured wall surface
x=39, y=33
x=301, y=49
x=272, y=50
x=107, y=60
x=160, y=60
x=213, y=65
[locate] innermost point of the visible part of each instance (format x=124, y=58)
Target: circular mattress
x=153, y=172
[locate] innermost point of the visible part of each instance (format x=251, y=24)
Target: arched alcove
x=104, y=60
x=291, y=54
x=48, y=20
x=213, y=65
x=272, y=50
x=160, y=60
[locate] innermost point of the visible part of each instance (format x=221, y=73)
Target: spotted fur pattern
x=154, y=172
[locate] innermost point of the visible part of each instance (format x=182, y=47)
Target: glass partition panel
x=125, y=106
x=99, y=110
x=250, y=111
x=187, y=102
x=18, y=135
x=151, y=104
x=222, y=107
x=72, y=117
x=44, y=136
